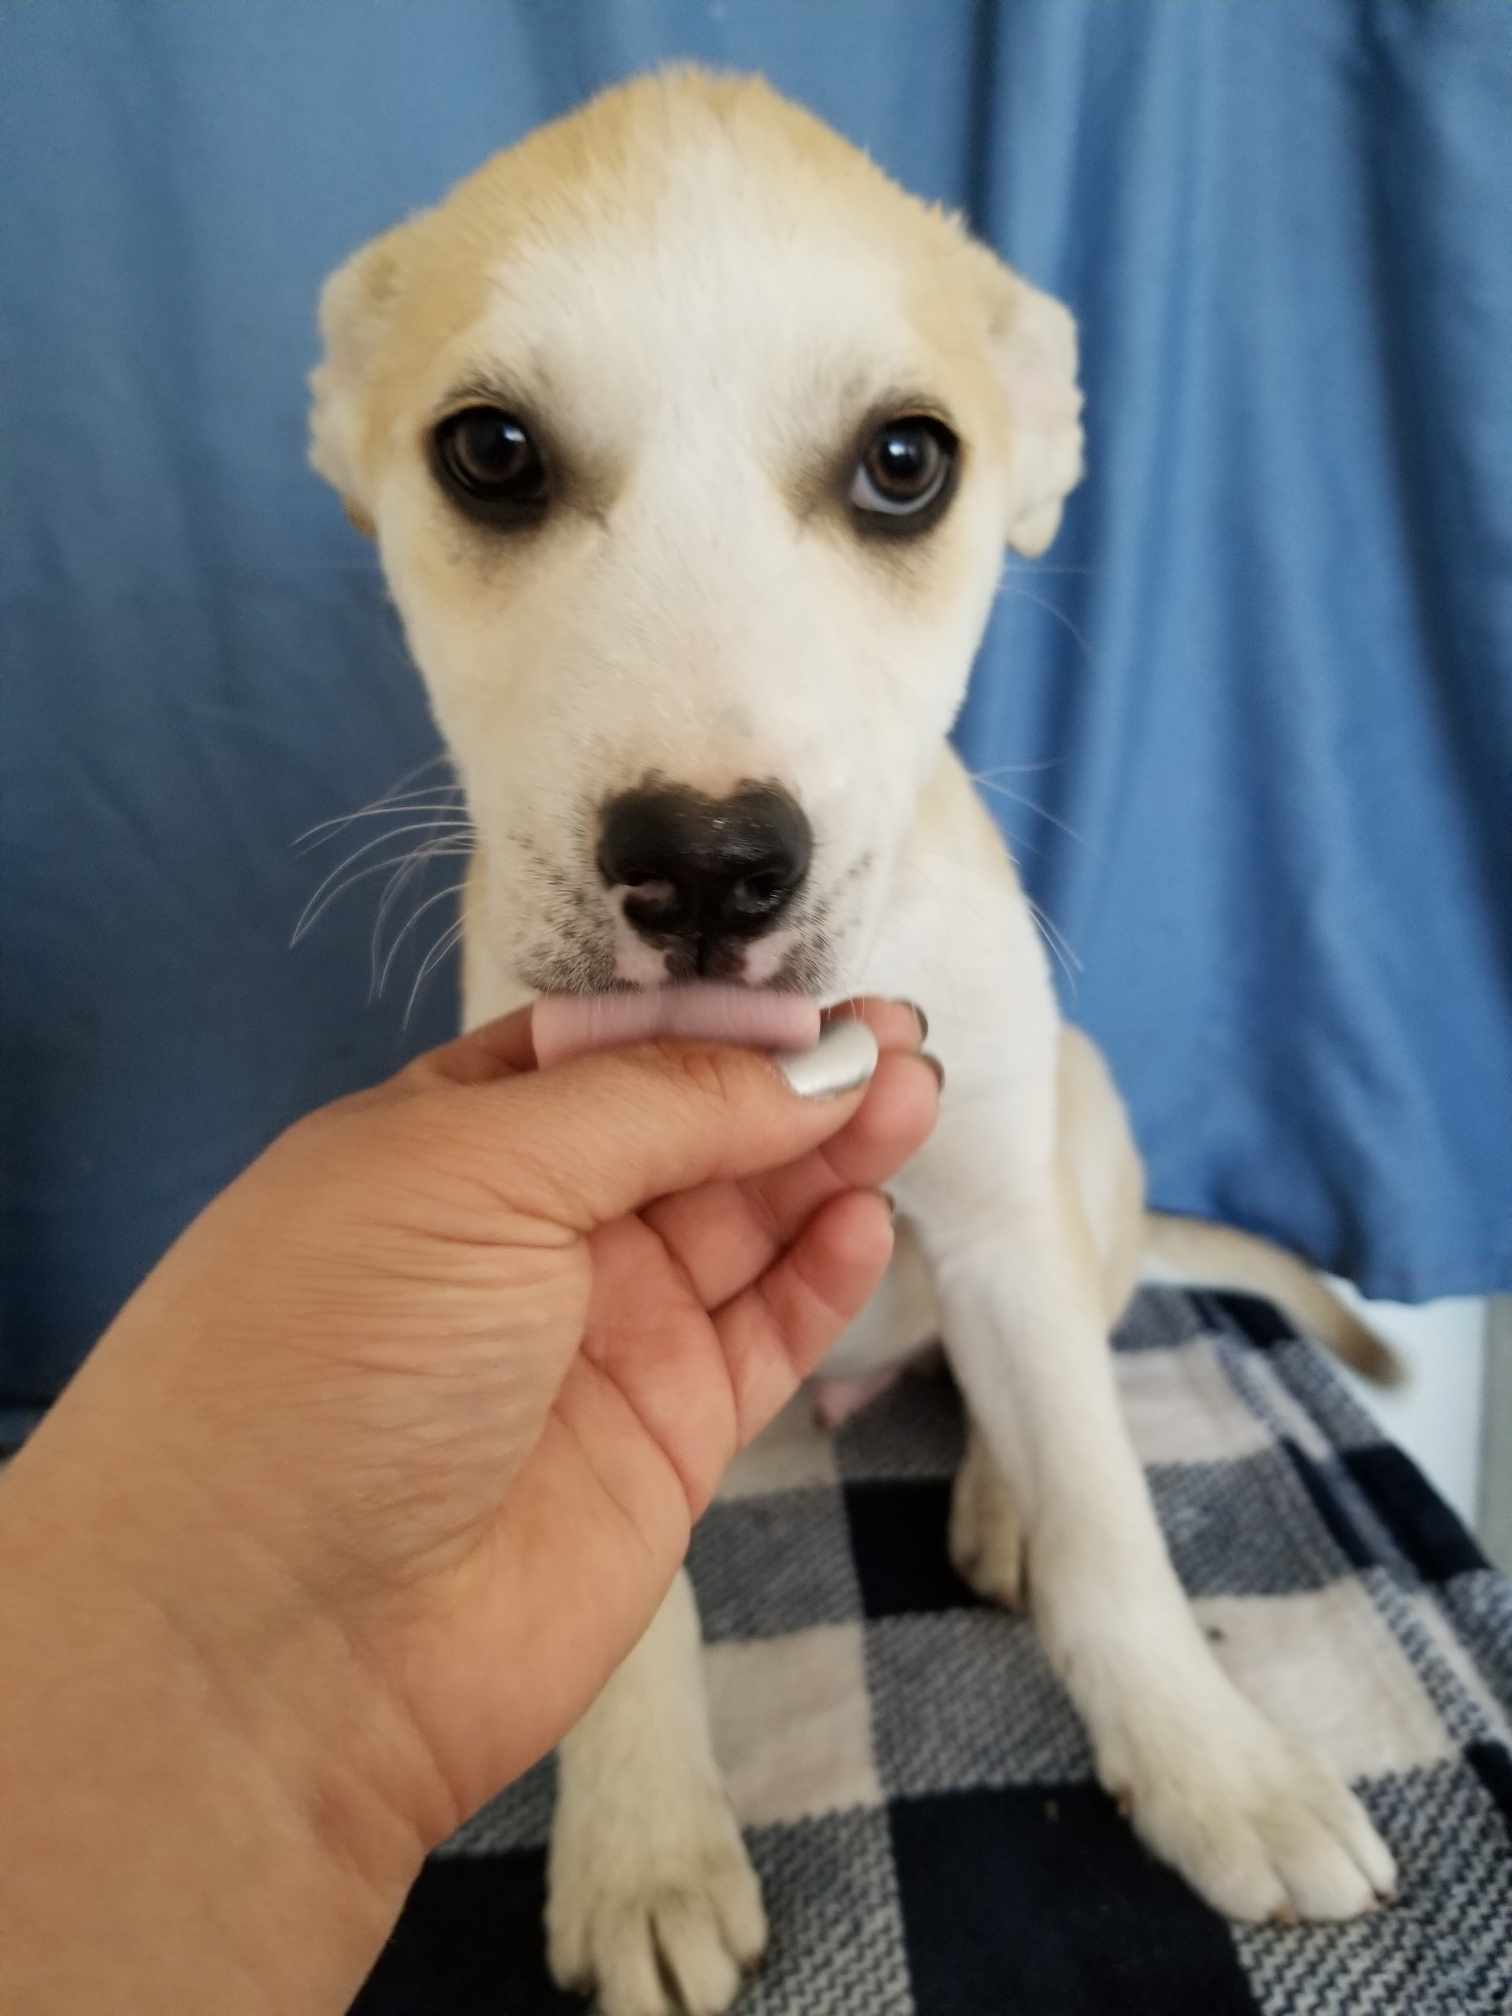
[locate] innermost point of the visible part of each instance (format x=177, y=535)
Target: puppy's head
x=691, y=445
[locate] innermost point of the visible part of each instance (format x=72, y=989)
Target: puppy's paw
x=661, y=1914
x=1258, y=1826
x=986, y=1540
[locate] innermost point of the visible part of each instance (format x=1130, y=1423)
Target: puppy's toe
x=665, y=1930
x=986, y=1540
x=1259, y=1826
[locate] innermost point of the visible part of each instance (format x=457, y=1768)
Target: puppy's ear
x=1034, y=341
x=355, y=305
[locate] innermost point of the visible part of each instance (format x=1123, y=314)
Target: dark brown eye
x=488, y=457
x=905, y=468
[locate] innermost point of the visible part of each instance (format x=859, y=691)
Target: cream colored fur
x=700, y=292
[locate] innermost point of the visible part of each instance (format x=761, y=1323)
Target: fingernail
x=936, y=1066
x=902, y=1001
x=844, y=1057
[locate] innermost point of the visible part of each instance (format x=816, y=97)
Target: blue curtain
x=1262, y=684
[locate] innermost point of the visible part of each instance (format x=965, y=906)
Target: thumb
x=589, y=1140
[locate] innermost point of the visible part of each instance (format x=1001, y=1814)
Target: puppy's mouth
x=758, y=1017
x=595, y=959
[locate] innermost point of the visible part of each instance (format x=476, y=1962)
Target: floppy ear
x=1034, y=339
x=355, y=304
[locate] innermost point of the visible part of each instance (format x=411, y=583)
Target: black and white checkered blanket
x=917, y=1792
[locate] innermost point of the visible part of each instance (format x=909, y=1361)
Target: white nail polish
x=844, y=1057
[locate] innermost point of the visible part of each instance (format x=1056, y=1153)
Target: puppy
x=691, y=445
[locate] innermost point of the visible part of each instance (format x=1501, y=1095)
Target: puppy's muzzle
x=703, y=876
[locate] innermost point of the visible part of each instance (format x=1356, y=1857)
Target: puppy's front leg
x=652, y=1896
x=1256, y=1824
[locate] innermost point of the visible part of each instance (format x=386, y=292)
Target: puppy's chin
x=778, y=960
x=801, y=968
x=571, y=969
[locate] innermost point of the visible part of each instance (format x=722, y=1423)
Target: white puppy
x=692, y=445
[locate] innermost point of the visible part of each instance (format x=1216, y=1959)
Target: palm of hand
x=467, y=1435
x=694, y=1319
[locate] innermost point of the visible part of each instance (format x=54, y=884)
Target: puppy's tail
x=1193, y=1250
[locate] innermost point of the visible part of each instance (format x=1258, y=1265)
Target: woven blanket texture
x=917, y=1792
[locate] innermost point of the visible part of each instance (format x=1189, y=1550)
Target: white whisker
x=435, y=762
x=383, y=839
x=1040, y=567
x=449, y=810
x=314, y=911
x=1073, y=958
x=454, y=889
x=420, y=791
x=1031, y=805
x=396, y=794
x=1012, y=588
x=443, y=945
x=1057, y=941
x=431, y=850
x=436, y=810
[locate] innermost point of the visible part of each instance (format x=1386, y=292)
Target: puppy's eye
x=487, y=457
x=905, y=469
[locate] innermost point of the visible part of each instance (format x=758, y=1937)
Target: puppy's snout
x=705, y=869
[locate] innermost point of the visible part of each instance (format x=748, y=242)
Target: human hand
x=409, y=1429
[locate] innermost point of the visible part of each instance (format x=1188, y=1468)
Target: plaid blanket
x=917, y=1792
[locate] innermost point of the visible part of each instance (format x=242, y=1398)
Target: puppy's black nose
x=705, y=869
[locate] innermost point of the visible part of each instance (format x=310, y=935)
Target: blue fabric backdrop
x=1268, y=665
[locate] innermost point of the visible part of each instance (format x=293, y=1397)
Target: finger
x=512, y=1043
x=601, y=1135
x=897, y=1025
x=776, y=1331
x=723, y=1235
x=498, y=1049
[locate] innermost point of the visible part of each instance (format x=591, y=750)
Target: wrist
x=196, y=1753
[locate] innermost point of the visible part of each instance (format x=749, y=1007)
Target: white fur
x=703, y=637
x=696, y=345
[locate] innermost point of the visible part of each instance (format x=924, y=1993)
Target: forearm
x=179, y=1836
